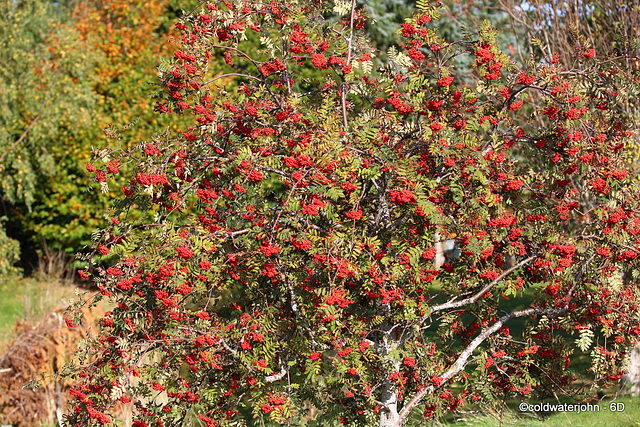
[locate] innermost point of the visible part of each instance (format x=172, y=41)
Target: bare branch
x=275, y=377
x=455, y=304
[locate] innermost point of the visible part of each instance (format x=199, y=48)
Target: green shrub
x=9, y=255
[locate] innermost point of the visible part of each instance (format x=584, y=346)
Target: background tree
x=608, y=28
x=231, y=293
x=43, y=73
x=126, y=40
x=72, y=69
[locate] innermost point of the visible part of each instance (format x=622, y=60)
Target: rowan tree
x=288, y=245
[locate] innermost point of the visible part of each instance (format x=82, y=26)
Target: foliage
x=385, y=17
x=603, y=27
x=74, y=69
x=287, y=246
x=459, y=18
x=110, y=43
x=9, y=256
x=563, y=27
x=120, y=42
x=44, y=90
x=38, y=95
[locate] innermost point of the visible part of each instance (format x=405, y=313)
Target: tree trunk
x=389, y=413
x=630, y=382
x=389, y=416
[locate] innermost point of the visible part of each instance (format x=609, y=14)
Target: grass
x=11, y=307
x=29, y=299
x=621, y=412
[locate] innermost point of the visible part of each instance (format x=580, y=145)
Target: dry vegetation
x=35, y=344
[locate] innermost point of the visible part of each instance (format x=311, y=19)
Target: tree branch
x=462, y=360
x=343, y=89
x=229, y=75
x=276, y=377
x=455, y=304
x=296, y=309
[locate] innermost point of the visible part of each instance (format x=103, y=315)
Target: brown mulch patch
x=38, y=352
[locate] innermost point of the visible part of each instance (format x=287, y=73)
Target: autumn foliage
x=290, y=249
x=71, y=69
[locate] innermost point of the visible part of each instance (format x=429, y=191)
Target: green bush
x=9, y=255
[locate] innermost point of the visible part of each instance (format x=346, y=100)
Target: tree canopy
x=286, y=246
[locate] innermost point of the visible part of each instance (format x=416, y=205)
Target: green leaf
x=585, y=340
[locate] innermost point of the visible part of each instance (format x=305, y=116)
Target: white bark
x=389, y=416
x=389, y=413
x=462, y=359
